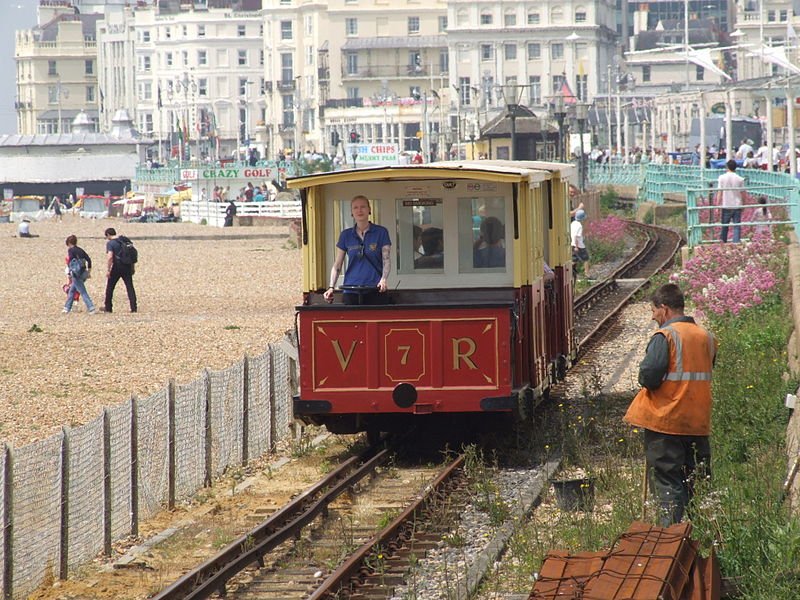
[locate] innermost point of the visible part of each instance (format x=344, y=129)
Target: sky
x=14, y=15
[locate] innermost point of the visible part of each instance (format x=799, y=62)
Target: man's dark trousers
x=124, y=272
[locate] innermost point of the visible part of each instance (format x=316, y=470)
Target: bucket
x=574, y=494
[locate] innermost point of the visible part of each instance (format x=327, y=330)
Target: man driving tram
x=368, y=250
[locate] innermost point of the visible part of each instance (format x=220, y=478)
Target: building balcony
x=344, y=103
x=392, y=71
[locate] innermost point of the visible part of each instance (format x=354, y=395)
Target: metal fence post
x=106, y=482
x=8, y=524
x=245, y=409
x=208, y=441
x=134, y=467
x=171, y=468
x=273, y=430
x=64, y=562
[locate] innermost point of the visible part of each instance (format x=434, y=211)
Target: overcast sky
x=14, y=14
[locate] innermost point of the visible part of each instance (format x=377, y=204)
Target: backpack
x=127, y=253
x=77, y=269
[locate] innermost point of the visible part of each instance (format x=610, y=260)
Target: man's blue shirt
x=364, y=258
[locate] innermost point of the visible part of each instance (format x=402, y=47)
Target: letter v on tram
x=472, y=327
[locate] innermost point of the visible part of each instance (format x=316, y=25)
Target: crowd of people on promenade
x=747, y=154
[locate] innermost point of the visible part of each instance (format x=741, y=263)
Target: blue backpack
x=77, y=269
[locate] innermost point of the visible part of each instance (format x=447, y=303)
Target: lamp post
x=560, y=113
x=185, y=84
x=581, y=116
x=472, y=142
x=512, y=94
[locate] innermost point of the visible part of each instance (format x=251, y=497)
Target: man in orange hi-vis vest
x=674, y=404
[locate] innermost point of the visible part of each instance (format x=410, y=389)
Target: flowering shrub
x=605, y=239
x=728, y=278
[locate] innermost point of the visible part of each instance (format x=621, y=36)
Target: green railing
x=698, y=188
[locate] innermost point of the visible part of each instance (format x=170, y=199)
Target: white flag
x=702, y=58
x=791, y=34
x=776, y=55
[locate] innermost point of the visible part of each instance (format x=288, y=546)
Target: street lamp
x=472, y=141
x=512, y=95
x=560, y=113
x=185, y=84
x=581, y=116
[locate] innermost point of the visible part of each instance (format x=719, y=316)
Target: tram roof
x=492, y=170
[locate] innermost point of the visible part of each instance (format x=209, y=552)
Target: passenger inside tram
x=489, y=249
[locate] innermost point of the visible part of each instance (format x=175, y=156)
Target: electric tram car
x=460, y=335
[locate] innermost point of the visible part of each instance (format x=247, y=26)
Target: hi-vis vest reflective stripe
x=681, y=405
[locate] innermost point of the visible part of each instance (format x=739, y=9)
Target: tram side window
x=482, y=235
x=420, y=235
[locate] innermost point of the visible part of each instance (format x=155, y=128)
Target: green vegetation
x=742, y=512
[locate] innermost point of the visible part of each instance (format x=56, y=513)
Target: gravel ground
x=206, y=297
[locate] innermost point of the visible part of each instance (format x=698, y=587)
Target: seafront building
x=214, y=79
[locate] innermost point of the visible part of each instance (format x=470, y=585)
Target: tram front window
x=420, y=235
x=482, y=235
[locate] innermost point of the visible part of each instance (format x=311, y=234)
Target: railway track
x=342, y=546
x=595, y=308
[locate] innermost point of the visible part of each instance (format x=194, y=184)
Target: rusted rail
x=213, y=575
x=599, y=303
x=357, y=571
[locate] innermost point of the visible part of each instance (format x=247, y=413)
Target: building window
x=287, y=67
x=535, y=89
x=464, y=90
x=413, y=25
x=167, y=33
x=202, y=86
x=784, y=15
x=241, y=30
x=201, y=31
x=442, y=24
x=486, y=18
x=645, y=73
x=701, y=73
x=510, y=51
x=148, y=90
x=146, y=64
x=286, y=30
x=89, y=67
x=146, y=36
x=533, y=18
x=287, y=102
x=414, y=62
x=534, y=51
x=309, y=24
x=444, y=61
x=168, y=59
x=202, y=57
x=352, y=93
x=557, y=51
x=52, y=94
x=242, y=58
x=558, y=83
x=771, y=16
x=580, y=17
x=90, y=93
x=242, y=86
x=351, y=26
x=486, y=52
x=415, y=92
x=351, y=59
x=510, y=19
x=51, y=67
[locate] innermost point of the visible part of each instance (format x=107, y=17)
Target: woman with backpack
x=79, y=266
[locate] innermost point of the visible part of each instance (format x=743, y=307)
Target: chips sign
x=376, y=154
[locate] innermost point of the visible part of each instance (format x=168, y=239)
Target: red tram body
x=458, y=338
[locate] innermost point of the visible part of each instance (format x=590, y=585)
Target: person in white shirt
x=731, y=191
x=579, y=252
x=763, y=155
x=24, y=229
x=744, y=149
